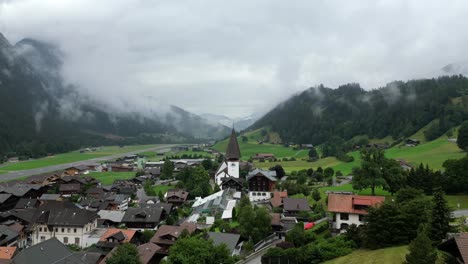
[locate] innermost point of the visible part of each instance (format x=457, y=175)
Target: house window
x=65, y=240
x=344, y=226
x=56, y=230
x=77, y=241
x=74, y=230
x=63, y=230
x=344, y=216
x=42, y=238
x=361, y=218
x=68, y=230
x=40, y=229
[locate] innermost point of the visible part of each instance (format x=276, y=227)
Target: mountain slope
x=399, y=109
x=40, y=114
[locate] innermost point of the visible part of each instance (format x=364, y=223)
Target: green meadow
x=108, y=178
x=73, y=156
x=391, y=255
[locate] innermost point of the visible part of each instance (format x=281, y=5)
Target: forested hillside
x=320, y=114
x=40, y=114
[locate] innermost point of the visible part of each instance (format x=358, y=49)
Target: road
x=19, y=174
x=460, y=213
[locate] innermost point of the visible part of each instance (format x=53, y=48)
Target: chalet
x=143, y=218
x=176, y=197
x=293, y=206
x=232, y=183
x=457, y=246
x=114, y=237
x=95, y=192
x=121, y=168
x=167, y=235
x=261, y=184
x=69, y=225
x=69, y=188
x=154, y=172
x=230, y=240
x=277, y=198
x=148, y=253
x=412, y=142
x=263, y=156
x=124, y=187
x=350, y=209
x=77, y=170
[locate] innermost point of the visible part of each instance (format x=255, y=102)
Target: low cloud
x=239, y=57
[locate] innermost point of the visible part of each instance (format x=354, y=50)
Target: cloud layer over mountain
x=238, y=57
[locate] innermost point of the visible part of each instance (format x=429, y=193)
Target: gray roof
x=233, y=151
x=142, y=215
x=80, y=258
x=66, y=217
x=4, y=197
x=114, y=216
x=271, y=175
x=231, y=240
x=49, y=196
x=296, y=204
x=53, y=251
x=26, y=203
x=20, y=189
x=47, y=252
x=7, y=235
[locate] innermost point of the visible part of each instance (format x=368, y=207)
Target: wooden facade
x=260, y=183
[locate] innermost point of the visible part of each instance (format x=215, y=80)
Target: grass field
x=433, y=153
x=162, y=188
x=69, y=157
x=386, y=255
x=107, y=178
x=251, y=147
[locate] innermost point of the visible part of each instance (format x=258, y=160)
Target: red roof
x=277, y=199
x=343, y=203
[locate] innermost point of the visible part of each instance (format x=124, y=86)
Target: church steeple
x=233, y=150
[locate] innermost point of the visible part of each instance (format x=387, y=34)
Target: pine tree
x=462, y=140
x=421, y=250
x=440, y=217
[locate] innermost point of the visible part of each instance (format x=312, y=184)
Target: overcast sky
x=239, y=57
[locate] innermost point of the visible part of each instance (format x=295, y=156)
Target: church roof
x=233, y=151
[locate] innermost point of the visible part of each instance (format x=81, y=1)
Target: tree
x=207, y=164
x=316, y=195
x=125, y=254
x=377, y=171
x=408, y=194
x=280, y=173
x=421, y=250
x=313, y=154
x=160, y=195
x=254, y=222
x=328, y=172
x=167, y=169
x=440, y=217
x=147, y=235
x=462, y=139
x=197, y=250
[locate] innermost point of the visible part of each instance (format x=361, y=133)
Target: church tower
x=230, y=166
x=233, y=155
